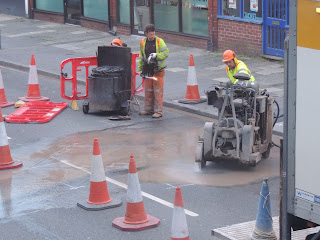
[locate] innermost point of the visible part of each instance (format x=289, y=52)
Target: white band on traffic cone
x=33, y=75
x=179, y=227
x=134, y=191
x=97, y=170
x=1, y=81
x=192, y=76
x=3, y=135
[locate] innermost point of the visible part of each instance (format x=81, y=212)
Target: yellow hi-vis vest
x=161, y=50
x=241, y=67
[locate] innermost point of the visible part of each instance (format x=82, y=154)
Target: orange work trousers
x=154, y=93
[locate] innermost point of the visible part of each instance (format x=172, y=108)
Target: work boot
x=157, y=115
x=145, y=113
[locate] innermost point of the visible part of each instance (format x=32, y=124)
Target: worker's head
x=116, y=42
x=150, y=32
x=229, y=58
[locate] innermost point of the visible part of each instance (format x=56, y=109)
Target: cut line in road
x=147, y=195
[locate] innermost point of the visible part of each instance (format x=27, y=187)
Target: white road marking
x=4, y=17
x=71, y=187
x=269, y=71
x=48, y=25
x=48, y=43
x=29, y=33
x=120, y=184
x=220, y=67
x=67, y=47
x=176, y=69
x=79, y=32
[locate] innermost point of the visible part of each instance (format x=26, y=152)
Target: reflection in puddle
x=161, y=157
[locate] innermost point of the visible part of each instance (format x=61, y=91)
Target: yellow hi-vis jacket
x=161, y=50
x=241, y=67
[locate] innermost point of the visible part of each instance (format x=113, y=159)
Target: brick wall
x=242, y=37
x=183, y=40
x=113, y=10
x=91, y=24
x=212, y=26
x=123, y=30
x=45, y=16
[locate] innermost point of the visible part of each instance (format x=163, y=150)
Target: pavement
x=51, y=43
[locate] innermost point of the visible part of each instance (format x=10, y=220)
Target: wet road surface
x=39, y=199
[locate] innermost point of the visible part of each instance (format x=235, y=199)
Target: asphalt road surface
x=39, y=200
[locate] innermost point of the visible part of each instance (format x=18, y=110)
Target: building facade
x=251, y=27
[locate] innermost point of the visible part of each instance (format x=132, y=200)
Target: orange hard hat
x=228, y=55
x=116, y=42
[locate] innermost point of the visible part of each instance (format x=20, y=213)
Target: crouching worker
x=235, y=66
x=153, y=52
x=118, y=43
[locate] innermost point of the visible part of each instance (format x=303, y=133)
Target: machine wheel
x=267, y=153
x=85, y=108
x=199, y=155
x=208, y=131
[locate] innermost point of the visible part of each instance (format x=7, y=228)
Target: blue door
x=275, y=26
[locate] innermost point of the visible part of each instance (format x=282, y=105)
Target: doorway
x=73, y=11
x=142, y=15
x=275, y=26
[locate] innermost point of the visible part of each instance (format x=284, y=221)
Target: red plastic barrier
x=88, y=62
x=36, y=112
x=134, y=75
x=76, y=62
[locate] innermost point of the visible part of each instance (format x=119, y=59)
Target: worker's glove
x=153, y=55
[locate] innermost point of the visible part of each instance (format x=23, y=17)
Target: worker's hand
x=153, y=55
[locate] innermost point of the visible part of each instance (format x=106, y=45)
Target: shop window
x=50, y=5
x=195, y=17
x=244, y=9
x=166, y=15
x=97, y=9
x=252, y=9
x=231, y=8
x=124, y=11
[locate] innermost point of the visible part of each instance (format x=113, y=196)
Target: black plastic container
x=110, y=83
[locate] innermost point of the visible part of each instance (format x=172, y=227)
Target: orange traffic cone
x=99, y=198
x=136, y=218
x=3, y=99
x=33, y=93
x=192, y=95
x=6, y=161
x=179, y=228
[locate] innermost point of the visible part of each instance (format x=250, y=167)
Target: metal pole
x=0, y=38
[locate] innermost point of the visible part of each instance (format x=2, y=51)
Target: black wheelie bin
x=110, y=82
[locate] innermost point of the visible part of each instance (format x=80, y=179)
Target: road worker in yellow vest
x=235, y=66
x=153, y=52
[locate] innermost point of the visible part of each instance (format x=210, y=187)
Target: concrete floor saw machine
x=244, y=129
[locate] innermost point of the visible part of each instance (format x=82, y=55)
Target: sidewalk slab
x=243, y=231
